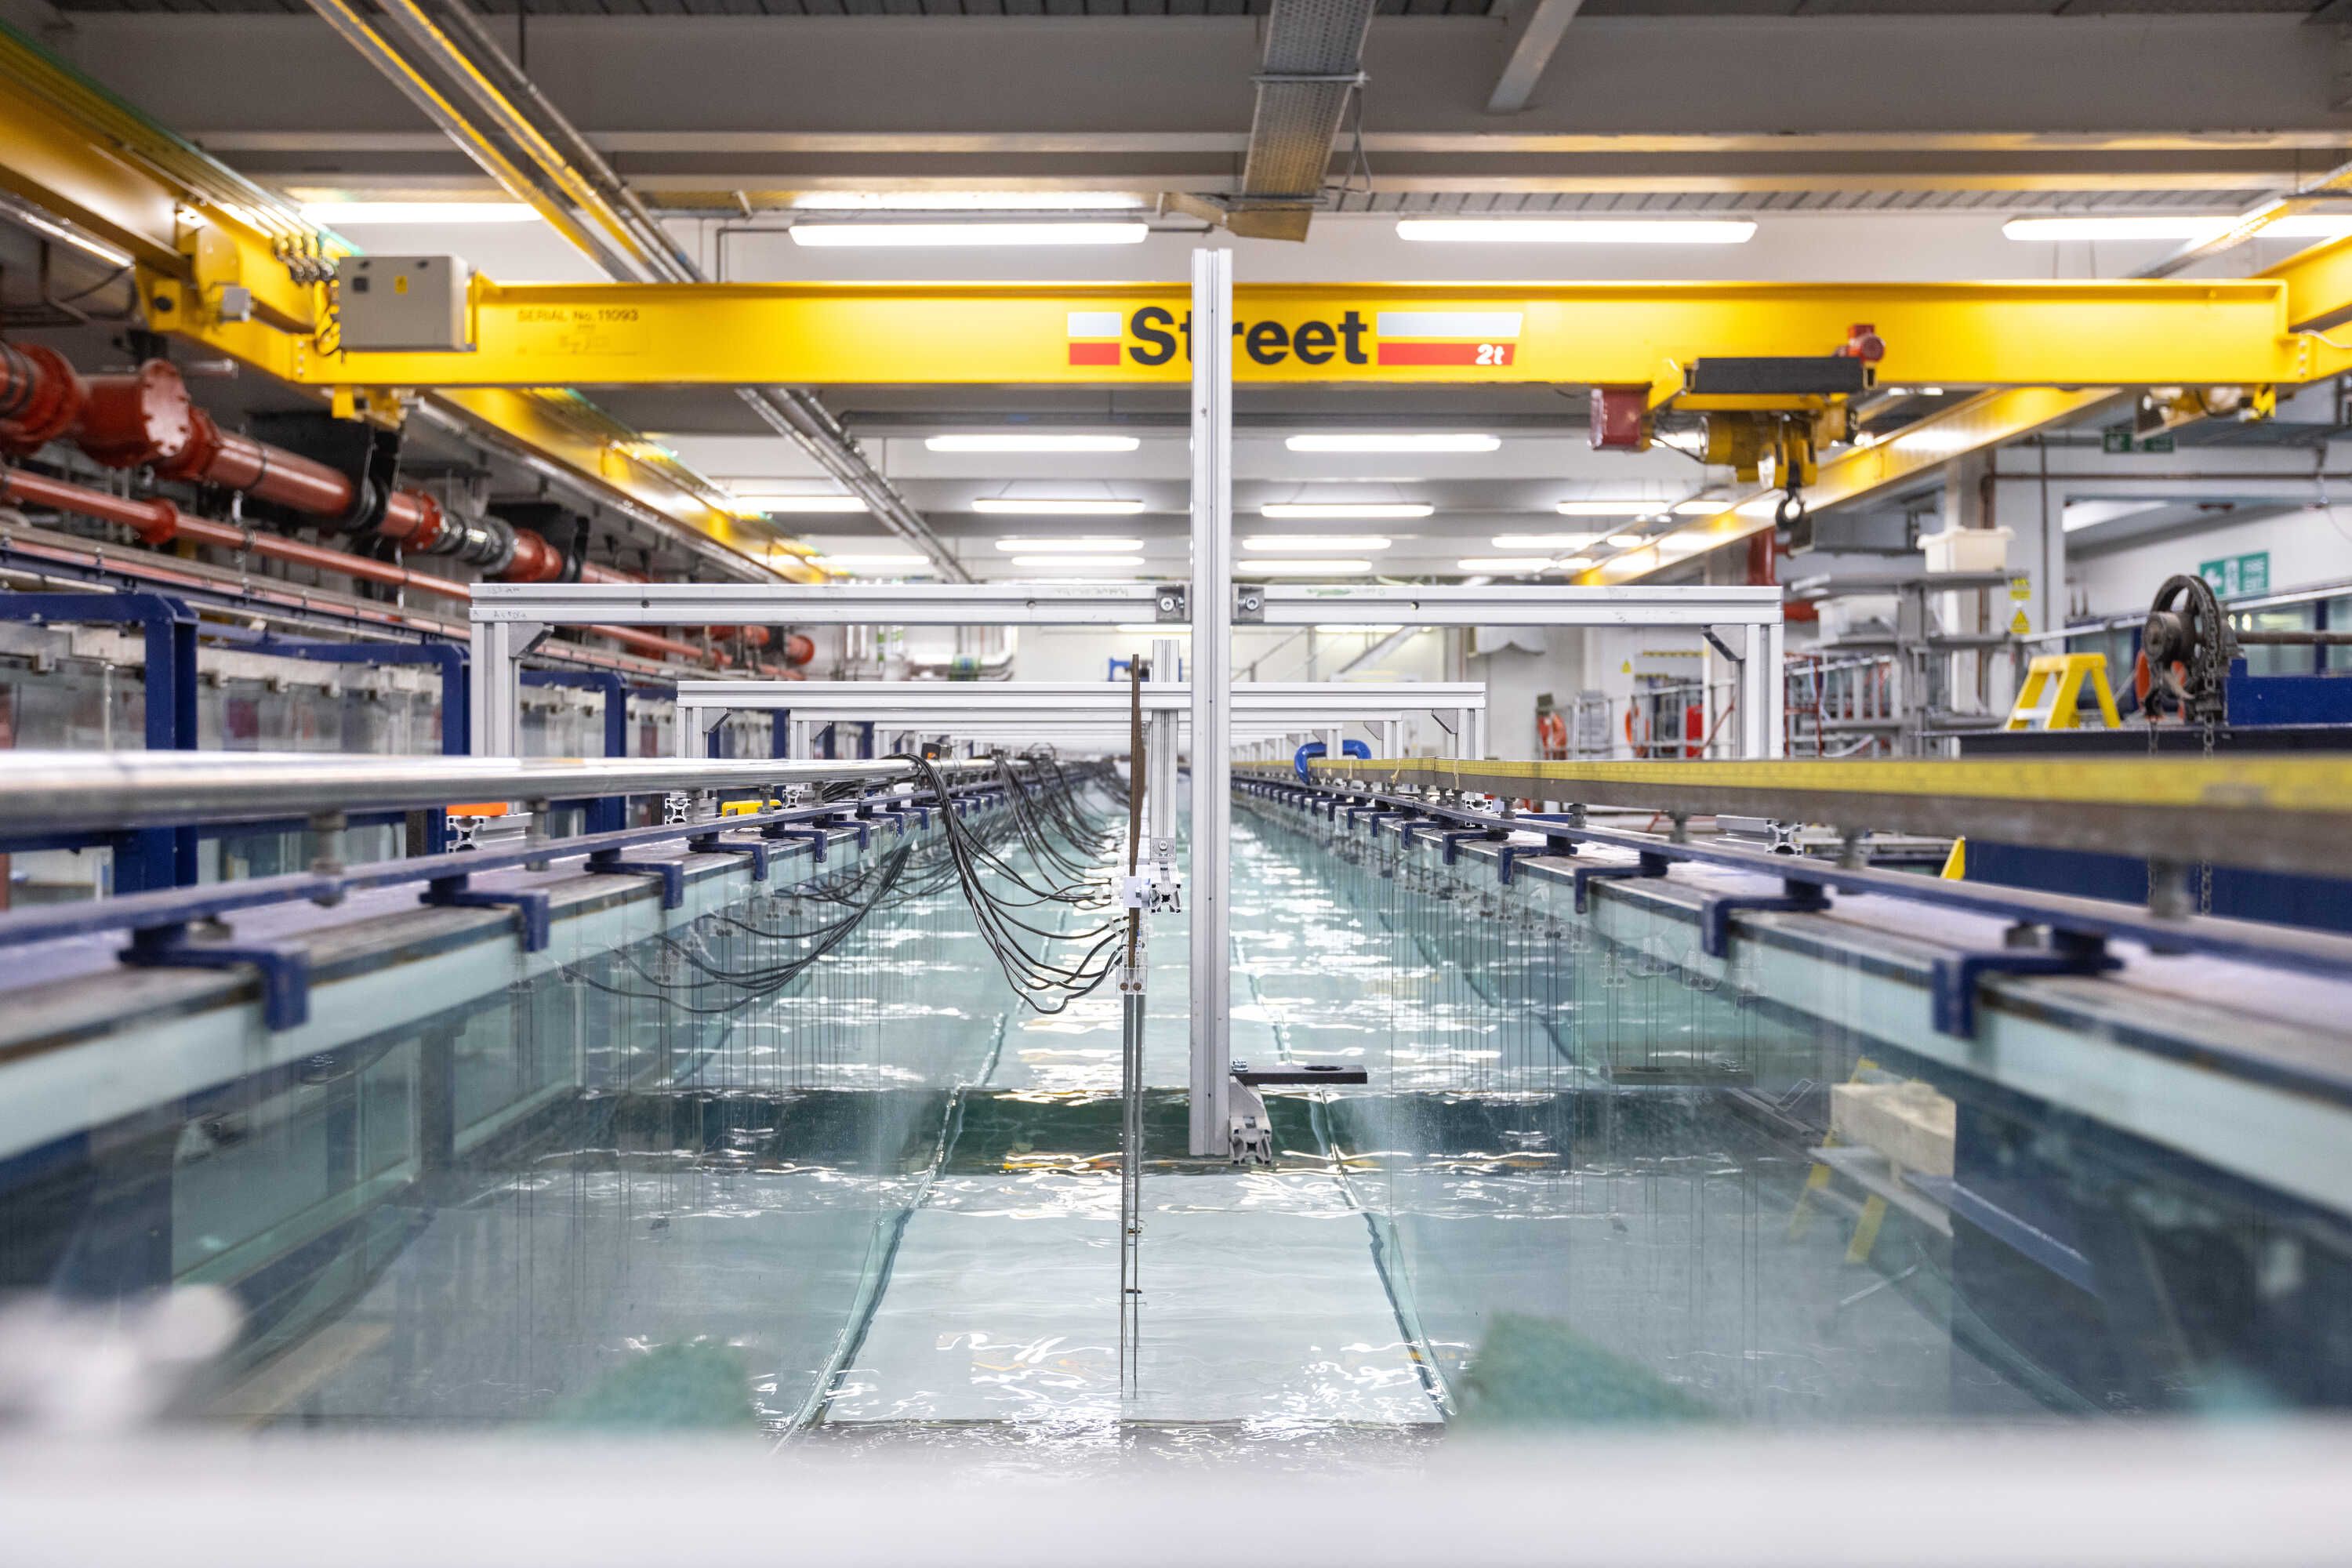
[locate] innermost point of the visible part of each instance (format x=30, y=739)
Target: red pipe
x=159, y=522
x=147, y=418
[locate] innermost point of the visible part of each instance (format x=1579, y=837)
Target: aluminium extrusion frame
x=972, y=709
x=511, y=619
x=1210, y=911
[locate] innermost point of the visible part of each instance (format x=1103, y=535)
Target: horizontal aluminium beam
x=900, y=702
x=2273, y=814
x=1110, y=603
x=59, y=792
x=828, y=603
x=1319, y=603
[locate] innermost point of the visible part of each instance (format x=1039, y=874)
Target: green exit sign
x=2119, y=442
x=2238, y=576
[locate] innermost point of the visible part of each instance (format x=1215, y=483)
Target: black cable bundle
x=1048, y=818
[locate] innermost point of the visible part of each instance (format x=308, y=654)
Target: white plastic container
x=1967, y=550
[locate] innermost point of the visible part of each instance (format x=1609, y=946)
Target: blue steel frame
x=609, y=813
x=157, y=921
x=2079, y=929
x=146, y=857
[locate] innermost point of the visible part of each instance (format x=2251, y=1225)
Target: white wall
x=2307, y=548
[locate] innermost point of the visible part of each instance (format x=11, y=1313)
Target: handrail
x=99, y=790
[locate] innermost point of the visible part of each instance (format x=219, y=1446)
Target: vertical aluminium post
x=1762, y=692
x=1213, y=657
x=496, y=697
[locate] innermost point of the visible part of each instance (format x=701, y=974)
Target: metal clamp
x=1953, y=980
x=608, y=863
x=1649, y=865
x=865, y=827
x=284, y=968
x=529, y=906
x=1511, y=855
x=1453, y=841
x=816, y=838
x=757, y=848
x=1714, y=914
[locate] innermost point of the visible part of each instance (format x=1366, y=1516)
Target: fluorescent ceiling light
x=1306, y=568
x=1300, y=511
x=1067, y=546
x=2298, y=226
x=1022, y=442
x=343, y=214
x=1072, y=506
x=880, y=562
x=800, y=503
x=1074, y=562
x=1626, y=541
x=1540, y=541
x=965, y=201
x=1573, y=563
x=1505, y=563
x=1393, y=443
x=1609, y=508
x=874, y=235
x=1317, y=541
x=1579, y=230
x=1156, y=628
x=1375, y=628
x=1699, y=508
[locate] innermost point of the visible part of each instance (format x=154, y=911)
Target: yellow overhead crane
x=222, y=264
x=2230, y=332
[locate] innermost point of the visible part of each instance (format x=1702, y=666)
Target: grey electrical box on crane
x=403, y=304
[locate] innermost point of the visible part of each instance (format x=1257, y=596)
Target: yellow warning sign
x=2018, y=623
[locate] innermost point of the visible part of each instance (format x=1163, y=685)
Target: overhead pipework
x=526, y=145
x=145, y=419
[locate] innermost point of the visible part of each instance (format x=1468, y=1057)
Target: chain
x=2147, y=718
x=2205, y=868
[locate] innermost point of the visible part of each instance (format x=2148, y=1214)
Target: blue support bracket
x=530, y=907
x=757, y=848
x=1511, y=855
x=897, y=819
x=608, y=863
x=284, y=969
x=1453, y=841
x=864, y=828
x=1714, y=914
x=1953, y=982
x=1649, y=865
x=816, y=838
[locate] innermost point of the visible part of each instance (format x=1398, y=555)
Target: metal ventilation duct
x=1314, y=61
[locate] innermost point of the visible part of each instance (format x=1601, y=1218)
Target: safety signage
x=2238, y=576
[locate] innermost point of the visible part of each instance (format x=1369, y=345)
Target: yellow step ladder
x=2053, y=686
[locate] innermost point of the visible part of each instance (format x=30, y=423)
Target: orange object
x=1551, y=734
x=480, y=808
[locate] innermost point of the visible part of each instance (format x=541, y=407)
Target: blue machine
x=1314, y=748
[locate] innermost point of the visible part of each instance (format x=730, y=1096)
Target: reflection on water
x=878, y=1208
x=1610, y=1189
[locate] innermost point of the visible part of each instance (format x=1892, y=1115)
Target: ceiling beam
x=1312, y=67
x=1533, y=36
